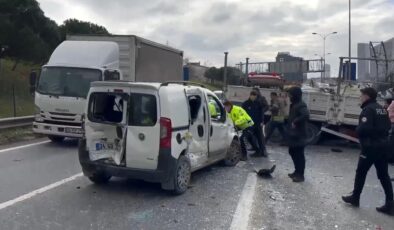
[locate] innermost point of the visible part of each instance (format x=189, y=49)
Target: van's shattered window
x=143, y=110
x=106, y=108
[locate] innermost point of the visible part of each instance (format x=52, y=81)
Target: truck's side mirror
x=111, y=75
x=33, y=81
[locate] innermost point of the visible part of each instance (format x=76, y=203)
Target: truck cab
x=64, y=82
x=154, y=132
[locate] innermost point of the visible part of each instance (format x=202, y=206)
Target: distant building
x=293, y=71
x=327, y=73
x=363, y=71
x=369, y=70
x=195, y=71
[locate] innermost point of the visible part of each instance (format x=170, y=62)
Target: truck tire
x=313, y=133
x=233, y=154
x=100, y=178
x=182, y=176
x=56, y=139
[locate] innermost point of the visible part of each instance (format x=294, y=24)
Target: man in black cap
x=296, y=132
x=255, y=109
x=373, y=128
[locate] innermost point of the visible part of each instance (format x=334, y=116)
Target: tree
x=75, y=26
x=215, y=74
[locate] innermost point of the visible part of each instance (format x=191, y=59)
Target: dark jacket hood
x=295, y=94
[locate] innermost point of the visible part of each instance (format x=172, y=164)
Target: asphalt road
x=41, y=188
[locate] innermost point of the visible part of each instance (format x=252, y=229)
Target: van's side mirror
x=33, y=81
x=111, y=75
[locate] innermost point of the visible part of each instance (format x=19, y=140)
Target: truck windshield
x=66, y=81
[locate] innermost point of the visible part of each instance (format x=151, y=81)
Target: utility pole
x=225, y=72
x=247, y=67
x=324, y=37
x=350, y=44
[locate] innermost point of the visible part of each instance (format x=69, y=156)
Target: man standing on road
x=242, y=121
x=373, y=128
x=296, y=133
x=277, y=117
x=255, y=109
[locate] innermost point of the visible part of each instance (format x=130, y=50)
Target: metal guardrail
x=14, y=122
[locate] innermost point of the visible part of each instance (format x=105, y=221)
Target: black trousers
x=248, y=135
x=381, y=165
x=258, y=134
x=298, y=156
x=272, y=125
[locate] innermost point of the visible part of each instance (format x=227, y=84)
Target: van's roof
x=152, y=85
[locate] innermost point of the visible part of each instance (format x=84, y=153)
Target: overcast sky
x=258, y=29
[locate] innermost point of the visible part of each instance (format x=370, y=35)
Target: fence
x=15, y=97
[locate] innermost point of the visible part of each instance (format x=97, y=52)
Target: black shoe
x=388, y=208
x=351, y=199
x=298, y=178
x=291, y=175
x=256, y=155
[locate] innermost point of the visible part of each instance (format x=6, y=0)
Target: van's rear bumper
x=163, y=174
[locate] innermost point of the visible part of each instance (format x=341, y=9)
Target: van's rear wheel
x=233, y=154
x=56, y=139
x=100, y=178
x=182, y=175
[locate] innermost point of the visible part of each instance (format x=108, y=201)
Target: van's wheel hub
x=182, y=176
x=233, y=154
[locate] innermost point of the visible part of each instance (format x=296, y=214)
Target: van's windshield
x=67, y=81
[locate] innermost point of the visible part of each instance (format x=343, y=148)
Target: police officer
x=255, y=109
x=373, y=128
x=244, y=122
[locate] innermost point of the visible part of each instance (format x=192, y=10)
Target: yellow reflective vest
x=240, y=118
x=212, y=109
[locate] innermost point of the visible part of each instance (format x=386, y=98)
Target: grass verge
x=12, y=135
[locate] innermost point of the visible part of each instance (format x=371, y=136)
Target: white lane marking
x=38, y=191
x=23, y=146
x=242, y=213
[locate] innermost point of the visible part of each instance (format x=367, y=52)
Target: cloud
x=204, y=29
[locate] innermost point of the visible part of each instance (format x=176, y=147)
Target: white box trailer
x=141, y=60
x=64, y=82
x=325, y=109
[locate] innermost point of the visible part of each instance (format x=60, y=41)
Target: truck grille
x=63, y=114
x=62, y=123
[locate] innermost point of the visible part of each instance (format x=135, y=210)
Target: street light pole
x=225, y=72
x=324, y=37
x=350, y=44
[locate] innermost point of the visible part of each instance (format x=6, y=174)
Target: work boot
x=291, y=175
x=298, y=178
x=256, y=154
x=352, y=199
x=387, y=208
x=243, y=158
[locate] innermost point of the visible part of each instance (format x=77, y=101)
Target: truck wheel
x=233, y=154
x=56, y=139
x=100, y=178
x=182, y=175
x=313, y=133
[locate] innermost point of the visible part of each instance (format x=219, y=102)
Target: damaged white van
x=155, y=132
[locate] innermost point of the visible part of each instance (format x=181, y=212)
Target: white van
x=155, y=132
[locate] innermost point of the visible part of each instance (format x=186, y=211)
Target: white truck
x=64, y=82
x=335, y=113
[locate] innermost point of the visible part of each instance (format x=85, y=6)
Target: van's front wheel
x=233, y=154
x=182, y=175
x=100, y=178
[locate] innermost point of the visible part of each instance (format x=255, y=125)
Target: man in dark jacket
x=373, y=129
x=255, y=110
x=296, y=133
